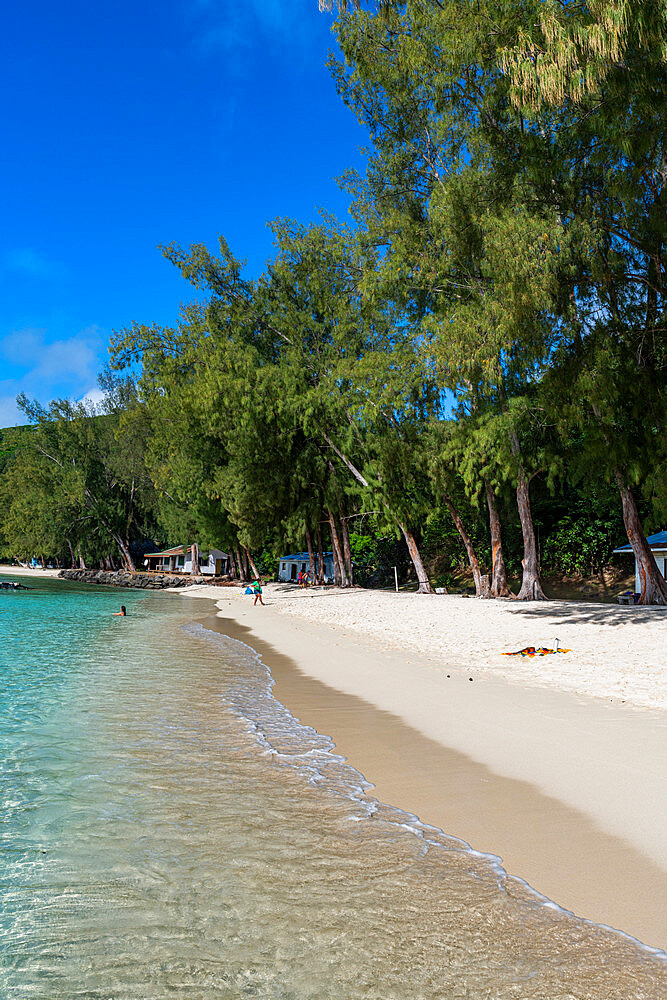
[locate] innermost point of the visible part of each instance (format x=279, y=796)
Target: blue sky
x=134, y=125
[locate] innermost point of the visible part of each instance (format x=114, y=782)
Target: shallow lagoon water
x=168, y=829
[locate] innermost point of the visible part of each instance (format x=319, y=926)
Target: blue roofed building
x=290, y=566
x=658, y=546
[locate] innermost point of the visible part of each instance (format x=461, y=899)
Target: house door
x=292, y=575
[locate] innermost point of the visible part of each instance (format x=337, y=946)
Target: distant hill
x=9, y=440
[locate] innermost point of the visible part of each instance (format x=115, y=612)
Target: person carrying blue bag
x=257, y=591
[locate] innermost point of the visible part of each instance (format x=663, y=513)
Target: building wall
x=661, y=560
x=302, y=565
x=285, y=570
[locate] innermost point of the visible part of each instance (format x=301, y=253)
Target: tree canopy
x=485, y=337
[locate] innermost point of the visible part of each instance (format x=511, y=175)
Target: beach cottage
x=179, y=560
x=291, y=566
x=658, y=545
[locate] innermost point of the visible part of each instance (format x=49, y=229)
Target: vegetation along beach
x=334, y=550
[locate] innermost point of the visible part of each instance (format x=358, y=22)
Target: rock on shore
x=123, y=578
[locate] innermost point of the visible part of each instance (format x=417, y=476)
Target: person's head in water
x=122, y=612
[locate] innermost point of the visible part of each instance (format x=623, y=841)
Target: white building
x=179, y=560
x=291, y=566
x=658, y=546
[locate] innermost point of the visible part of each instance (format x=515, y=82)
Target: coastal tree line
x=489, y=328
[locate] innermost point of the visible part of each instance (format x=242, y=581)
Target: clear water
x=167, y=829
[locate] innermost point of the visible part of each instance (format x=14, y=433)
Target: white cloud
x=93, y=397
x=46, y=370
x=77, y=357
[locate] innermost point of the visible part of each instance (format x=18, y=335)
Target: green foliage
x=76, y=481
x=506, y=253
x=580, y=547
x=375, y=554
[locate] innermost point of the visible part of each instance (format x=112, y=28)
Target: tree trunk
x=252, y=564
x=480, y=589
x=82, y=564
x=125, y=552
x=653, y=584
x=122, y=544
x=129, y=519
x=320, y=556
x=339, y=567
x=422, y=575
x=246, y=567
x=347, y=552
x=239, y=563
x=499, y=586
x=531, y=587
x=71, y=552
x=311, y=555
x=194, y=550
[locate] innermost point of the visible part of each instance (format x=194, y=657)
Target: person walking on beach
x=257, y=590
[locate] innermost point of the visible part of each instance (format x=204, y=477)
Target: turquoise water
x=169, y=830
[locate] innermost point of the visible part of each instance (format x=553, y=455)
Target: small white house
x=179, y=560
x=291, y=566
x=658, y=546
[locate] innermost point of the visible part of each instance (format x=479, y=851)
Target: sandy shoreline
x=616, y=653
x=21, y=571
x=567, y=789
x=556, y=764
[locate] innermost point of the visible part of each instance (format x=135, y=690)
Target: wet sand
x=568, y=791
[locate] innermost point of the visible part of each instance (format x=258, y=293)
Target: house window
x=180, y=561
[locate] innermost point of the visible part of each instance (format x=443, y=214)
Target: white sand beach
x=557, y=764
x=6, y=570
x=617, y=653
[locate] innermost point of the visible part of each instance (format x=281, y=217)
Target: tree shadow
x=600, y=614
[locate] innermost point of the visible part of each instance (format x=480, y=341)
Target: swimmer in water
x=122, y=612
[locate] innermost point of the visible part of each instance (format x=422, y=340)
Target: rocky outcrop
x=123, y=578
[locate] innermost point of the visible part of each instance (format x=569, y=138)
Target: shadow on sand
x=602, y=614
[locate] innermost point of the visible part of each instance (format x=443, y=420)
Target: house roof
x=303, y=556
x=176, y=551
x=180, y=550
x=657, y=541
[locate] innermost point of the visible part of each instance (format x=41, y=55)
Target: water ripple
x=169, y=830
